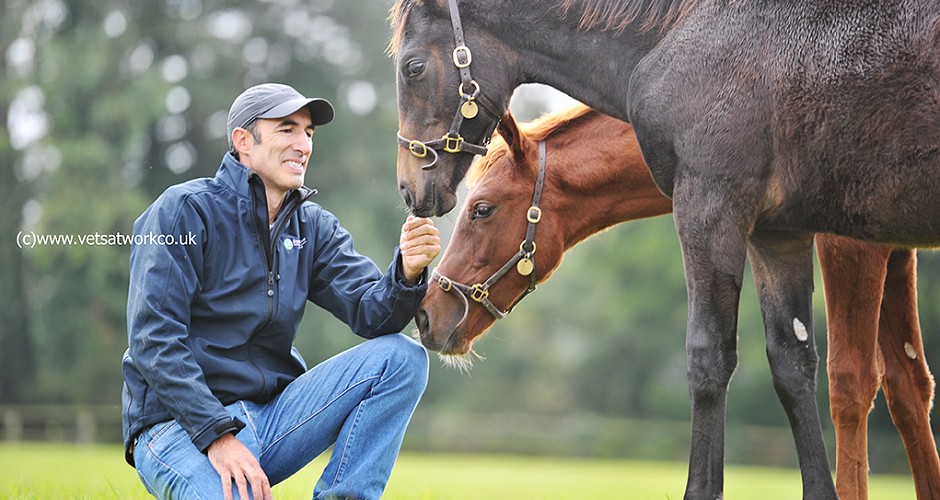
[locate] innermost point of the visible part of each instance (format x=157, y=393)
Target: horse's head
x=452, y=91
x=506, y=239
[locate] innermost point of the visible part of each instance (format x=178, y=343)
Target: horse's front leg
x=783, y=273
x=713, y=254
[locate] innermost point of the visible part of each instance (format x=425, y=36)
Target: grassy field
x=40, y=471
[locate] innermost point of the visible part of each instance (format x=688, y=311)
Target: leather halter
x=480, y=292
x=452, y=141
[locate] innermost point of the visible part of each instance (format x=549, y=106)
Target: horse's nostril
x=406, y=195
x=421, y=320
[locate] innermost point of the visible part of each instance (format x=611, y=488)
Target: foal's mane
x=536, y=130
x=613, y=15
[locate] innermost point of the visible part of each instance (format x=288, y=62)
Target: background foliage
x=106, y=103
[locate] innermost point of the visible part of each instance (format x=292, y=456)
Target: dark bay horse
x=764, y=121
x=593, y=168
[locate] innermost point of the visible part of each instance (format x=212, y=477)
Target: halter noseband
x=452, y=141
x=523, y=260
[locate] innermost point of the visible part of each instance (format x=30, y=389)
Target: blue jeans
x=361, y=400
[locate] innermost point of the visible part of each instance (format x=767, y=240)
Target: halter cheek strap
x=523, y=260
x=468, y=90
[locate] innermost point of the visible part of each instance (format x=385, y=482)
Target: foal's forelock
x=481, y=165
x=398, y=19
x=540, y=129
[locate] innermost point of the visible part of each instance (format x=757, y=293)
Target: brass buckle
x=464, y=50
x=413, y=147
x=448, y=140
x=478, y=293
x=534, y=215
x=445, y=283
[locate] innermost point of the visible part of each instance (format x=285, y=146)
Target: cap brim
x=321, y=111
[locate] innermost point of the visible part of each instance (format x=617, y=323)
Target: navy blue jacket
x=212, y=315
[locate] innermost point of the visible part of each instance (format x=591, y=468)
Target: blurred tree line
x=106, y=103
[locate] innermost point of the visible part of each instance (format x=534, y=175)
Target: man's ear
x=242, y=140
x=509, y=131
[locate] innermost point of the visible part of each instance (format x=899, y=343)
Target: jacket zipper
x=294, y=201
x=269, y=250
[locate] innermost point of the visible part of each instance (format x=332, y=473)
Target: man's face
x=282, y=154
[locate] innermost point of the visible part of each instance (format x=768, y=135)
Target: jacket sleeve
x=164, y=280
x=352, y=287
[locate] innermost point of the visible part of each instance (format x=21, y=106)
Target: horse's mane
x=535, y=130
x=614, y=15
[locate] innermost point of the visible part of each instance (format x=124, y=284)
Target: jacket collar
x=234, y=174
x=237, y=176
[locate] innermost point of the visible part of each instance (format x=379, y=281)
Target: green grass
x=61, y=471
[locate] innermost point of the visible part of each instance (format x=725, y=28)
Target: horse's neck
x=592, y=66
x=602, y=192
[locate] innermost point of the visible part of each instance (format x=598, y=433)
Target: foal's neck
x=592, y=65
x=603, y=192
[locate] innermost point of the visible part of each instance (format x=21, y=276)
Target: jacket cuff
x=398, y=275
x=217, y=430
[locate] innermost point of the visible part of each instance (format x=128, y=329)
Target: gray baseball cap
x=274, y=100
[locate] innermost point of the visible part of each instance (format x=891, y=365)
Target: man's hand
x=420, y=243
x=234, y=462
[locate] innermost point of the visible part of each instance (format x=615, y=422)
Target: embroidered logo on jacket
x=292, y=243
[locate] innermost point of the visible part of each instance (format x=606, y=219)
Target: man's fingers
x=240, y=481
x=236, y=464
x=260, y=487
x=418, y=226
x=425, y=232
x=418, y=235
x=242, y=486
x=227, y=488
x=420, y=244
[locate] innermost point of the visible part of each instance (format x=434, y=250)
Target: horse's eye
x=480, y=211
x=415, y=68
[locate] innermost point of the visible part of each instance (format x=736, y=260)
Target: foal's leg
x=908, y=384
x=783, y=272
x=714, y=255
x=853, y=277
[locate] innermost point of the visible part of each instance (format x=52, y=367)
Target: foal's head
x=449, y=98
x=491, y=228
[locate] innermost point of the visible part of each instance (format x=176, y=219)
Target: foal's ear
x=509, y=131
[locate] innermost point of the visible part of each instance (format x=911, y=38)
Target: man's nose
x=304, y=145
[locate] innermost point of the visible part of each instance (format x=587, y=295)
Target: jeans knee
x=407, y=358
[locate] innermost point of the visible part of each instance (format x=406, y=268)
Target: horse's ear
x=509, y=131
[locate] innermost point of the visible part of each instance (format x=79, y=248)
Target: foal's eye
x=480, y=211
x=415, y=67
